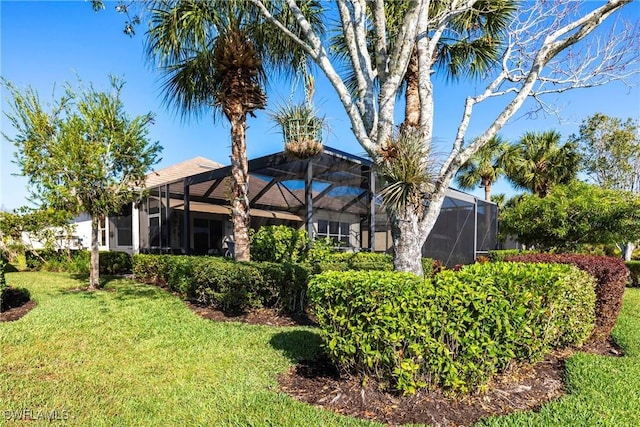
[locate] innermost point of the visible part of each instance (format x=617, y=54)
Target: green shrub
x=320, y=250
x=342, y=261
x=14, y=297
x=431, y=267
x=454, y=331
x=64, y=261
x=278, y=243
x=150, y=268
x=74, y=261
x=112, y=262
x=501, y=254
x=367, y=261
x=225, y=284
x=375, y=323
x=634, y=273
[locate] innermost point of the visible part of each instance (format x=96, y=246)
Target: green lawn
x=134, y=355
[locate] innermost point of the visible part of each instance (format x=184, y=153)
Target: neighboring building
x=330, y=195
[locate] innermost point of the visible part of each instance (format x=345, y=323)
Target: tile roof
x=180, y=170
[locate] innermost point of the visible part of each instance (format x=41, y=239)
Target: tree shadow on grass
x=137, y=291
x=298, y=344
x=121, y=287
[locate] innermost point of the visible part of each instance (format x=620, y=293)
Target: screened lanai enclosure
x=329, y=195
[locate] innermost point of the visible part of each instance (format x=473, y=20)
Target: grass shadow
x=298, y=344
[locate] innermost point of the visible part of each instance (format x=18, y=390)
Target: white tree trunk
x=627, y=250
x=407, y=242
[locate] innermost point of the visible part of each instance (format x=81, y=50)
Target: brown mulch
x=520, y=389
x=262, y=316
x=317, y=382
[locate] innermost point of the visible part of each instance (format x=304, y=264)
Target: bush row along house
x=187, y=210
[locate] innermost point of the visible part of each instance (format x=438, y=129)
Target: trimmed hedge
x=112, y=262
x=367, y=261
x=74, y=261
x=611, y=275
x=501, y=254
x=225, y=284
x=634, y=273
x=454, y=331
x=343, y=261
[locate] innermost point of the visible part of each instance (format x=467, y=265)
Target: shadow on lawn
x=122, y=288
x=297, y=345
x=137, y=291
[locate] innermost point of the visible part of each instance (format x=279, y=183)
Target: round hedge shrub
x=455, y=330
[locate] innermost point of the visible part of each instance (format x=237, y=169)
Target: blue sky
x=44, y=44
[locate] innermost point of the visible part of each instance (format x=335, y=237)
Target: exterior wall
x=80, y=238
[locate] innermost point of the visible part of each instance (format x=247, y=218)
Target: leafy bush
x=611, y=275
x=112, y=262
x=14, y=297
x=571, y=216
x=62, y=261
x=455, y=330
x=431, y=267
x=278, y=243
x=224, y=284
x=343, y=261
x=367, y=261
x=501, y=254
x=75, y=261
x=634, y=273
x=320, y=249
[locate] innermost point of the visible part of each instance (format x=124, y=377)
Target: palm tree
x=469, y=47
x=485, y=167
x=538, y=162
x=213, y=56
x=499, y=199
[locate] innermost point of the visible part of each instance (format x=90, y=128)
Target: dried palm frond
x=303, y=149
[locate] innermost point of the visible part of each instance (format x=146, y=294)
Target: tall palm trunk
x=486, y=183
x=240, y=183
x=94, y=265
x=412, y=95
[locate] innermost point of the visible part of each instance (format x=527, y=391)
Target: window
x=336, y=231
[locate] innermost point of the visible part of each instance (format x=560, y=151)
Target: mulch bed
x=317, y=382
x=521, y=389
x=262, y=316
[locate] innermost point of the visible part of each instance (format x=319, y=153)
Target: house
x=330, y=195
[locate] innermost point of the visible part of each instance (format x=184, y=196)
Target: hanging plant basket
x=301, y=129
